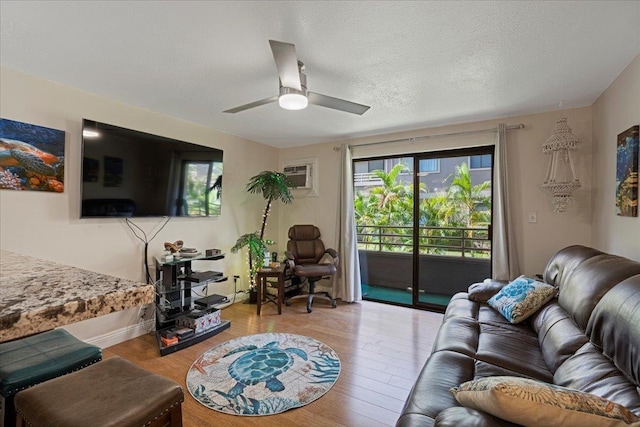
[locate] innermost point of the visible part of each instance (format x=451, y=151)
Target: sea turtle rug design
x=263, y=374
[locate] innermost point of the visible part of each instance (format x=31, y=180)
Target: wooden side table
x=262, y=276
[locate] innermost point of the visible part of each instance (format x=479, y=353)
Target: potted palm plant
x=273, y=186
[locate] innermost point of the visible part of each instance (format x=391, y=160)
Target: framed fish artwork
x=627, y=151
x=31, y=157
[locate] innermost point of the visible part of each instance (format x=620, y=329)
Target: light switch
x=533, y=217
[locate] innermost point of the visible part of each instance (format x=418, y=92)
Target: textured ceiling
x=417, y=64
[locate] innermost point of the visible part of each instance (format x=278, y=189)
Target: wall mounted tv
x=126, y=173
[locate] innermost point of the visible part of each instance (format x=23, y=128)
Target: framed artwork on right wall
x=627, y=149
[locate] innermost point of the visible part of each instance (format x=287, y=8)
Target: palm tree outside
x=461, y=204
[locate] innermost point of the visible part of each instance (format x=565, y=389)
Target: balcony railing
x=472, y=242
x=367, y=178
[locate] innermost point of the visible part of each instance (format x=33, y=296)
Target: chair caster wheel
x=334, y=304
x=287, y=303
x=309, y=309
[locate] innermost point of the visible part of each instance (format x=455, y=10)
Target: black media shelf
x=174, y=281
x=164, y=350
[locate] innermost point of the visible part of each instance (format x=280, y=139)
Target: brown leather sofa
x=586, y=339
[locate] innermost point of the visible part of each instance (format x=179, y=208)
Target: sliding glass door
x=423, y=224
x=453, y=207
x=384, y=219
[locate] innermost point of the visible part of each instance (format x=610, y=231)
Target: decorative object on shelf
x=31, y=157
x=200, y=320
x=560, y=180
x=212, y=252
x=627, y=172
x=274, y=186
x=173, y=247
x=263, y=374
x=189, y=252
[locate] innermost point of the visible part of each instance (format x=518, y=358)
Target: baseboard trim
x=148, y=325
x=123, y=334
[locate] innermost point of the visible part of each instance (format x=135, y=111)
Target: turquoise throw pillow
x=521, y=298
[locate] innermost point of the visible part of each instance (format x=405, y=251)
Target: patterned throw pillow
x=521, y=298
x=535, y=403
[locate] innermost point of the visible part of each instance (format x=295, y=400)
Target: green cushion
x=32, y=360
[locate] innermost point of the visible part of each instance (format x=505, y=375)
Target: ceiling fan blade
x=337, y=103
x=252, y=105
x=287, y=62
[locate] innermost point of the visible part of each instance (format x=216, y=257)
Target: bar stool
x=28, y=361
x=114, y=392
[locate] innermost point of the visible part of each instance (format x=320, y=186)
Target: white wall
x=47, y=225
x=536, y=242
x=616, y=110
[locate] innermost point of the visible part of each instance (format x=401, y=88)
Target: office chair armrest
x=290, y=261
x=331, y=252
x=334, y=255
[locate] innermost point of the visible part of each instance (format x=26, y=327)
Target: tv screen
x=126, y=173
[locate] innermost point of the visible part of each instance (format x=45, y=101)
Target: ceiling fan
x=293, y=86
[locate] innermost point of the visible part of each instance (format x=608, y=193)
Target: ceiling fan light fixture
x=293, y=86
x=293, y=101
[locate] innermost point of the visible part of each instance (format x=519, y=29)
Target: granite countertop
x=38, y=295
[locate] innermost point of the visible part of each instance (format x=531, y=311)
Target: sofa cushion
x=529, y=402
x=614, y=326
x=521, y=298
x=484, y=369
x=563, y=262
x=458, y=416
x=478, y=331
x=582, y=289
x=459, y=334
x=517, y=351
x=558, y=335
x=430, y=393
x=590, y=371
x=461, y=306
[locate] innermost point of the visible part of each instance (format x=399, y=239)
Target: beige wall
x=47, y=225
x=527, y=167
x=615, y=111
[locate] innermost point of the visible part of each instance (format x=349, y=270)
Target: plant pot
x=253, y=297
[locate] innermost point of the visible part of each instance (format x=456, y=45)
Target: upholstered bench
x=28, y=361
x=114, y=392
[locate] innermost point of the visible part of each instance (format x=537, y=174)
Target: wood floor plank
x=382, y=349
x=371, y=396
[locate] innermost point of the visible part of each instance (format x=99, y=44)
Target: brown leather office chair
x=304, y=252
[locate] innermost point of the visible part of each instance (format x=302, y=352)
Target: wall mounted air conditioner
x=300, y=175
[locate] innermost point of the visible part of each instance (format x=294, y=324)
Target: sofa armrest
x=458, y=416
x=481, y=292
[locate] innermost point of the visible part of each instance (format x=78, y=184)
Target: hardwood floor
x=382, y=349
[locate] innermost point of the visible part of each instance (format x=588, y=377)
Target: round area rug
x=263, y=374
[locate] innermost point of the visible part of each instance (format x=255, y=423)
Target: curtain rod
x=441, y=135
